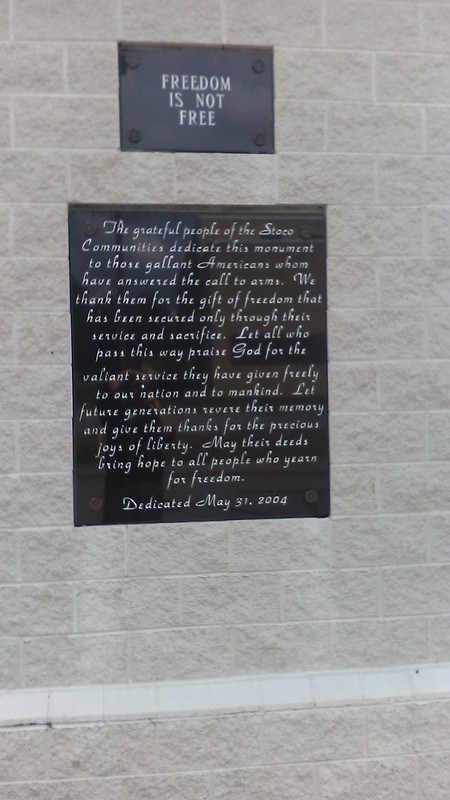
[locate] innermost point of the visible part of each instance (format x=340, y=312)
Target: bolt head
x=132, y=60
x=306, y=231
x=90, y=228
x=95, y=503
x=259, y=139
x=311, y=496
x=134, y=135
x=258, y=66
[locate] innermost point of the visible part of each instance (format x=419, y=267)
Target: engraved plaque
x=199, y=363
x=196, y=99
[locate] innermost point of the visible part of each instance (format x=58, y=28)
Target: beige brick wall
x=400, y=751
x=361, y=88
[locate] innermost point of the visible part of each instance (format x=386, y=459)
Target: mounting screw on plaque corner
x=311, y=496
x=202, y=99
x=90, y=228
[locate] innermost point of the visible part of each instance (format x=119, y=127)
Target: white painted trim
x=79, y=704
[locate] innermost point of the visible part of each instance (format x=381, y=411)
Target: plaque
x=199, y=363
x=196, y=99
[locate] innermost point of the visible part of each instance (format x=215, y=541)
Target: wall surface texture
x=362, y=119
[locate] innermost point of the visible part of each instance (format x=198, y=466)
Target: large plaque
x=196, y=99
x=199, y=363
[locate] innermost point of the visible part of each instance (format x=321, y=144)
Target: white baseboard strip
x=78, y=704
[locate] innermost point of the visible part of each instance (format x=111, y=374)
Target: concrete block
x=77, y=122
x=353, y=387
x=353, y=489
x=311, y=75
x=10, y=677
x=330, y=594
x=293, y=23
x=437, y=125
x=392, y=777
x=209, y=743
x=438, y=432
x=438, y=333
x=34, y=284
x=142, y=177
x=71, y=660
x=44, y=446
x=363, y=334
x=440, y=639
x=418, y=487
x=127, y=604
x=70, y=790
x=374, y=230
x=435, y=26
x=439, y=529
x=8, y=555
x=31, y=176
x=377, y=643
x=211, y=178
x=281, y=544
x=281, y=648
x=40, y=230
x=414, y=385
x=413, y=281
x=390, y=729
x=369, y=438
x=416, y=590
x=102, y=750
x=160, y=787
x=36, y=609
x=4, y=22
x=147, y=20
x=353, y=25
x=5, y=238
x=184, y=550
x=66, y=19
x=352, y=282
x=284, y=783
x=22, y=753
x=85, y=60
x=299, y=127
x=432, y=725
x=7, y=338
x=36, y=500
x=419, y=178
x=411, y=78
x=364, y=128
x=181, y=654
x=30, y=392
x=31, y=68
x=377, y=541
x=43, y=338
x=438, y=230
x=326, y=179
x=433, y=771
x=59, y=554
x=313, y=735
x=5, y=118
x=227, y=600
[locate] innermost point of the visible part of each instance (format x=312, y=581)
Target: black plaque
x=199, y=363
x=196, y=99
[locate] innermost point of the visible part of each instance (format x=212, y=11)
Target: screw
x=90, y=228
x=134, y=135
x=258, y=66
x=306, y=231
x=259, y=139
x=132, y=60
x=311, y=496
x=95, y=503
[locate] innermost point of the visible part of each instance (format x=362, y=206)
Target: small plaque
x=199, y=363
x=196, y=99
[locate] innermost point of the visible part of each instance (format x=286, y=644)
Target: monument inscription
x=199, y=363
x=196, y=99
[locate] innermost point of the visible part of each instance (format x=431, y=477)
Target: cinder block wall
x=361, y=125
